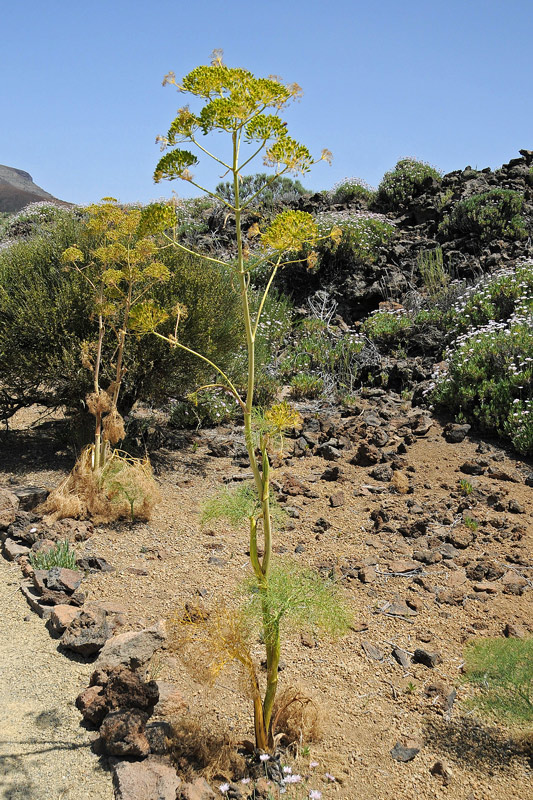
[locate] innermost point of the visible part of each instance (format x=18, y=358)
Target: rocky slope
x=17, y=189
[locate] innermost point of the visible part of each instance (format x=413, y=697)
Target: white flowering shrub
x=489, y=375
x=364, y=235
x=349, y=190
x=407, y=180
x=212, y=407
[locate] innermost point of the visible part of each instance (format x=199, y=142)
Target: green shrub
x=386, y=326
x=494, y=298
x=306, y=386
x=492, y=215
x=44, y=322
x=502, y=669
x=350, y=190
x=37, y=218
x=409, y=179
x=431, y=267
x=319, y=359
x=5, y=218
x=280, y=190
x=60, y=555
x=488, y=380
x=203, y=410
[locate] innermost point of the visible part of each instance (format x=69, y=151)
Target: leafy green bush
x=43, y=322
x=45, y=319
x=39, y=218
x=320, y=359
x=306, y=386
x=350, y=190
x=385, y=326
x=431, y=267
x=203, y=410
x=4, y=223
x=280, y=190
x=489, y=377
x=495, y=298
x=409, y=179
x=60, y=555
x=502, y=669
x=492, y=215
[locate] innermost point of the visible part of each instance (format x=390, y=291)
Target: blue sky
x=81, y=100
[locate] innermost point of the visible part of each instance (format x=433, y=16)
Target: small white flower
x=264, y=757
x=287, y=770
x=223, y=788
x=293, y=779
x=245, y=780
x=330, y=777
x=314, y=794
x=313, y=764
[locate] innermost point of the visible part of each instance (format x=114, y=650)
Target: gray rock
x=328, y=452
x=404, y=754
x=9, y=504
x=197, y=790
x=87, y=633
x=33, y=597
x=61, y=579
x=145, y=780
x=133, y=649
x=427, y=659
x=13, y=551
x=401, y=657
x=454, y=433
x=372, y=651
x=382, y=472
x=472, y=468
x=31, y=496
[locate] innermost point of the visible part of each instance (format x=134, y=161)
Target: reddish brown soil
x=365, y=706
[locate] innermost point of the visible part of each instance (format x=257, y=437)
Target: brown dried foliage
x=295, y=718
x=105, y=495
x=197, y=748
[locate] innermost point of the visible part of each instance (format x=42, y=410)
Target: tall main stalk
x=262, y=713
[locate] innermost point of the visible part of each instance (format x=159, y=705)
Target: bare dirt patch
x=367, y=700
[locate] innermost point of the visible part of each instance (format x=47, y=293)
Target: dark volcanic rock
x=123, y=734
x=87, y=633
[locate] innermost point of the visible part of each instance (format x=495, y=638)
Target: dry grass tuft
x=123, y=489
x=295, y=718
x=197, y=748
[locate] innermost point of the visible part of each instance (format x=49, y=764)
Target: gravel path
x=44, y=753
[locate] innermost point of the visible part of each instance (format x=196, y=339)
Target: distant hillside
x=17, y=189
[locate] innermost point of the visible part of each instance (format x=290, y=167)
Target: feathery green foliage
x=502, y=669
x=280, y=191
x=431, y=267
x=236, y=505
x=301, y=599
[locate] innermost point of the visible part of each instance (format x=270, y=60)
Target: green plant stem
x=262, y=482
